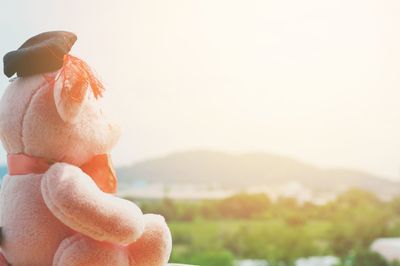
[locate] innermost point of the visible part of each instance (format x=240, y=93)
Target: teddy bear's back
x=30, y=232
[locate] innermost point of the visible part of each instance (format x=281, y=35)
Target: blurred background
x=266, y=132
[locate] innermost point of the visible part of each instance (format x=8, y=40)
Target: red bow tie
x=99, y=168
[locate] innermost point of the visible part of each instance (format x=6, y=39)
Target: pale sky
x=316, y=80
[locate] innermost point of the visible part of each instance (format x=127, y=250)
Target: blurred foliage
x=366, y=258
x=216, y=232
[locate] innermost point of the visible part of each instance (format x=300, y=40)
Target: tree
x=244, y=205
x=365, y=258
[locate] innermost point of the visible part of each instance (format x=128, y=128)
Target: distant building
x=251, y=263
x=310, y=261
x=318, y=261
x=389, y=248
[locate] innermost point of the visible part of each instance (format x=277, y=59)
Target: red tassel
x=77, y=76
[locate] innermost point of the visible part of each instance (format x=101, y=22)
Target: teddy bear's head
x=55, y=114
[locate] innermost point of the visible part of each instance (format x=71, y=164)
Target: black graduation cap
x=40, y=54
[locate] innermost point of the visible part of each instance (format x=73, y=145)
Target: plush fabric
x=13, y=107
x=73, y=197
x=61, y=217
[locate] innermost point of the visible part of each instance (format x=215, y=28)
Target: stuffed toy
x=56, y=203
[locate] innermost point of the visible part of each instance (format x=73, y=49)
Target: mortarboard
x=40, y=54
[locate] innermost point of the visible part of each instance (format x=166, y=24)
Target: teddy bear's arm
x=73, y=197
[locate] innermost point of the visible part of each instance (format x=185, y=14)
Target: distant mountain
x=227, y=171
x=251, y=170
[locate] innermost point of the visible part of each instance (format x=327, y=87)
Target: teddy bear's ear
x=73, y=84
x=69, y=96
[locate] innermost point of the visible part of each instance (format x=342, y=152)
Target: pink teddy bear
x=55, y=205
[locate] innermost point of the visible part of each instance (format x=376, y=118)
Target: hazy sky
x=314, y=79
